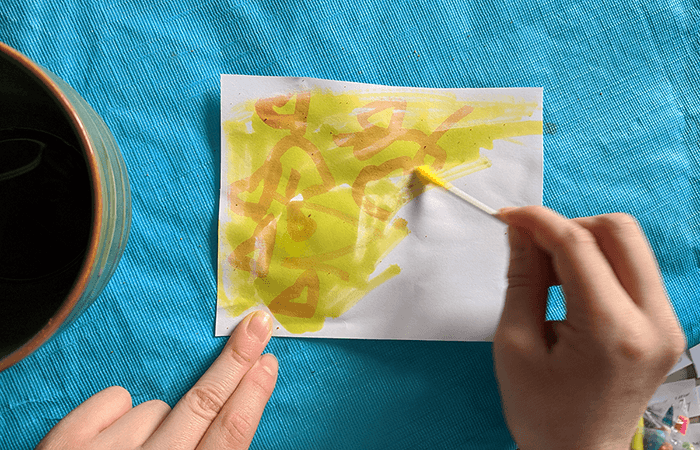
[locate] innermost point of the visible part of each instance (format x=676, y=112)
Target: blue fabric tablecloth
x=622, y=133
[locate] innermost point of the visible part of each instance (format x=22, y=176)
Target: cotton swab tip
x=426, y=175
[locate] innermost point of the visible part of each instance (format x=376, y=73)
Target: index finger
x=194, y=413
x=624, y=244
x=586, y=277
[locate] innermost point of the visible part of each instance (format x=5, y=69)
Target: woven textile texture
x=621, y=124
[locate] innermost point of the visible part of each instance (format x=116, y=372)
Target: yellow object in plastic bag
x=638, y=438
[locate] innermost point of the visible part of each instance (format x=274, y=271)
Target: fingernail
x=260, y=325
x=269, y=364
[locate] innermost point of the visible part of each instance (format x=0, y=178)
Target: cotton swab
x=426, y=175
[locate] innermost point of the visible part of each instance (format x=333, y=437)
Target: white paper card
x=683, y=362
x=671, y=393
x=319, y=220
x=695, y=356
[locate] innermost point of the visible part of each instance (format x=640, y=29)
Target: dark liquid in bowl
x=45, y=220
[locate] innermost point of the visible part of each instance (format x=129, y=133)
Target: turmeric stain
x=316, y=179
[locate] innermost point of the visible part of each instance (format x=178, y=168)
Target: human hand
x=581, y=383
x=221, y=411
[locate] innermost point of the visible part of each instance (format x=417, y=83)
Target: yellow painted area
x=426, y=175
x=315, y=180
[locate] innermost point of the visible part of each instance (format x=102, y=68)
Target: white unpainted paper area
x=695, y=356
x=671, y=393
x=683, y=362
x=453, y=263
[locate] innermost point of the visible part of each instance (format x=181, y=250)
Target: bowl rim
x=40, y=76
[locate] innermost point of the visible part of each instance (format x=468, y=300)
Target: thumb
x=529, y=277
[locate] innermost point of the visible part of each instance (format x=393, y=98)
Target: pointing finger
x=235, y=427
x=194, y=413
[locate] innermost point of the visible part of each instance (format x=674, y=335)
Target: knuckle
x=520, y=270
x=667, y=359
x=513, y=341
x=679, y=344
x=204, y=401
x=633, y=350
x=576, y=236
x=675, y=345
x=635, y=341
x=651, y=349
x=240, y=357
x=237, y=429
x=517, y=280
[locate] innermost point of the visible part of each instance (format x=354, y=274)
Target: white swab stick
x=427, y=175
x=452, y=189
